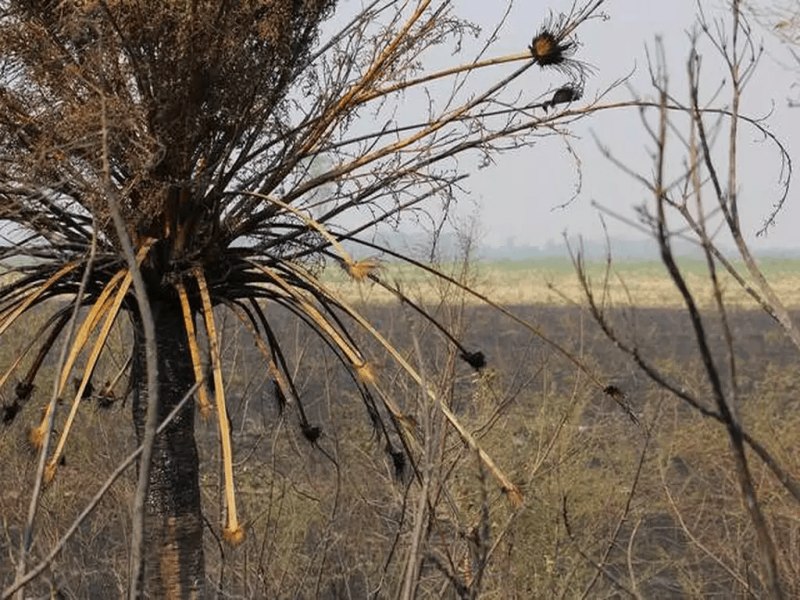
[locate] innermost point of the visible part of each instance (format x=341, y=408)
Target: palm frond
x=11, y=314
x=233, y=531
x=91, y=361
x=102, y=304
x=513, y=492
x=194, y=350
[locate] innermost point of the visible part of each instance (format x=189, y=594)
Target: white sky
x=517, y=197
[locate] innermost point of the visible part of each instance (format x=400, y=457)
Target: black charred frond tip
x=476, y=359
x=106, y=399
x=547, y=49
x=398, y=462
x=311, y=432
x=9, y=411
x=23, y=391
x=550, y=48
x=618, y=396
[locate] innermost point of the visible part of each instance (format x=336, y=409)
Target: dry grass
x=316, y=530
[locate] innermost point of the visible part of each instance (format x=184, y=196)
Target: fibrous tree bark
x=173, y=565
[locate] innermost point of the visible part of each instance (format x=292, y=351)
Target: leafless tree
x=700, y=204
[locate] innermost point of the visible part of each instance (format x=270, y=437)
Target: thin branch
x=47, y=560
x=27, y=536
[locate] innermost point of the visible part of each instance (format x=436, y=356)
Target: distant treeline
x=450, y=245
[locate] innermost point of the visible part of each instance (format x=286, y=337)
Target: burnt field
x=611, y=507
x=765, y=358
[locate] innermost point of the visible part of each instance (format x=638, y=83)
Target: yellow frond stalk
x=350, y=98
x=99, y=344
x=514, y=496
x=12, y=315
x=408, y=421
x=314, y=314
x=232, y=523
x=361, y=269
x=49, y=473
x=101, y=306
x=466, y=67
x=384, y=59
x=194, y=351
x=307, y=220
x=12, y=368
x=513, y=492
x=272, y=368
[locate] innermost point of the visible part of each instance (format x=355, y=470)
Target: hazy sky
x=517, y=197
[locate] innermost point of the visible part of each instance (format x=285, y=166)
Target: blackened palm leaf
x=358, y=270
x=537, y=331
x=277, y=362
x=308, y=221
x=513, y=492
x=475, y=359
x=272, y=356
x=278, y=365
x=57, y=322
x=313, y=313
x=279, y=378
x=357, y=369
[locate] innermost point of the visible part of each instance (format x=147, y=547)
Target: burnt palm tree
x=161, y=159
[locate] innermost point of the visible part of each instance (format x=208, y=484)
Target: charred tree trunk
x=173, y=564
